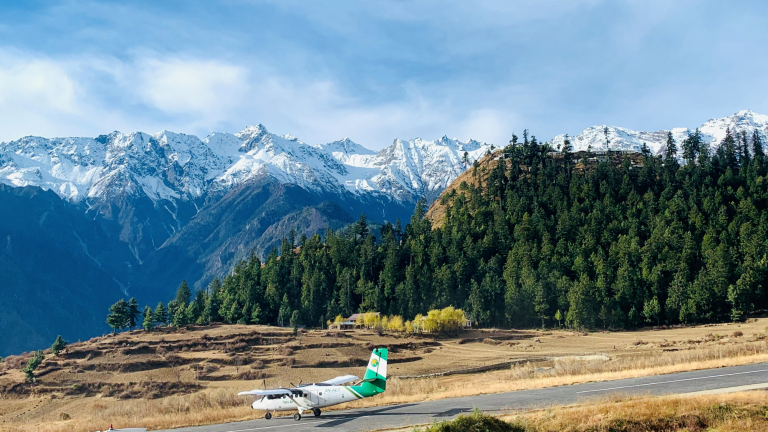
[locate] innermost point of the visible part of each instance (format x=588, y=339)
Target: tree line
x=540, y=236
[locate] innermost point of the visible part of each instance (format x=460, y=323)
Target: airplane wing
x=341, y=380
x=265, y=392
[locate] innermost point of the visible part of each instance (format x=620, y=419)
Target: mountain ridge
x=712, y=131
x=146, y=188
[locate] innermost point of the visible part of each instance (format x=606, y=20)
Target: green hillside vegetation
x=544, y=236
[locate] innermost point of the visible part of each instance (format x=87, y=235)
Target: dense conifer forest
x=540, y=236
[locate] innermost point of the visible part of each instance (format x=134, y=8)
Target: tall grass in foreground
x=223, y=405
x=739, y=412
x=723, y=413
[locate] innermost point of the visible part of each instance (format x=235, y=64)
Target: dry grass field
x=736, y=412
x=170, y=378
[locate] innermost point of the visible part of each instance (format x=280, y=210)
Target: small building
x=343, y=325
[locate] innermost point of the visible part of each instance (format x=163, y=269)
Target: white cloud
x=36, y=83
x=178, y=86
x=87, y=96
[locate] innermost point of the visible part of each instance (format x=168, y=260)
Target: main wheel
x=268, y=415
x=297, y=416
x=316, y=412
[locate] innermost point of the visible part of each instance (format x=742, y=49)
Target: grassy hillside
x=191, y=376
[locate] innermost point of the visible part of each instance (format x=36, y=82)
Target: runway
x=749, y=377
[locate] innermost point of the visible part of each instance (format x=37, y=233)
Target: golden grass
x=205, y=407
x=566, y=372
x=732, y=412
x=724, y=413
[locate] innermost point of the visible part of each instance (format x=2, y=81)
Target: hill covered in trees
x=539, y=236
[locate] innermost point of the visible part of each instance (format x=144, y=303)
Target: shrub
x=251, y=375
x=476, y=422
x=738, y=333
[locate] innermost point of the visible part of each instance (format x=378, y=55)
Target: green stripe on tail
x=375, y=378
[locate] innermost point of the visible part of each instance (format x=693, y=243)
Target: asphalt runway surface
x=735, y=378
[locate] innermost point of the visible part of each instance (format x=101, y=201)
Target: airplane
x=313, y=397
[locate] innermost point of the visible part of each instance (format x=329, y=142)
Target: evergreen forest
x=539, y=236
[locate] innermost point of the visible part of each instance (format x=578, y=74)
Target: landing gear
x=268, y=415
x=316, y=412
x=297, y=416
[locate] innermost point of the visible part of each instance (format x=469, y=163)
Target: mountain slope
x=145, y=188
x=60, y=270
x=251, y=218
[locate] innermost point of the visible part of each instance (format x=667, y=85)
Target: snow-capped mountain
x=171, y=166
x=713, y=131
x=153, y=185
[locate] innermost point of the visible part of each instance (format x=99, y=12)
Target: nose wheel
x=297, y=416
x=316, y=412
x=268, y=415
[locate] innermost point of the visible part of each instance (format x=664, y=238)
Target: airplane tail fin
x=375, y=379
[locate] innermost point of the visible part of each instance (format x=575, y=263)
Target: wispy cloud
x=377, y=71
x=61, y=96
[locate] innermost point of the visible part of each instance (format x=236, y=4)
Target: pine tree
x=692, y=147
x=149, y=319
x=757, y=145
x=183, y=295
x=360, y=228
x=179, y=318
x=133, y=313
x=745, y=156
x=652, y=310
x=118, y=316
x=567, y=147
x=256, y=315
x=645, y=151
x=294, y=322
x=58, y=345
x=728, y=147
x=670, y=150
x=161, y=314
x=32, y=364
x=285, y=311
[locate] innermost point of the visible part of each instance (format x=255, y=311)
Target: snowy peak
x=743, y=121
x=424, y=168
x=251, y=131
x=345, y=147
x=713, y=131
x=170, y=166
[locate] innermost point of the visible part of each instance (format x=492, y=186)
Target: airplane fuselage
x=308, y=397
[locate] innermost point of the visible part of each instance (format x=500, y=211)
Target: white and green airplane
x=313, y=397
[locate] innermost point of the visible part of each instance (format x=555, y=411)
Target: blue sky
x=377, y=70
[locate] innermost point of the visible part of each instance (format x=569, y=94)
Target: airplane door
x=317, y=397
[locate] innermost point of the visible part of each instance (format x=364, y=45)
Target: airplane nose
x=256, y=404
